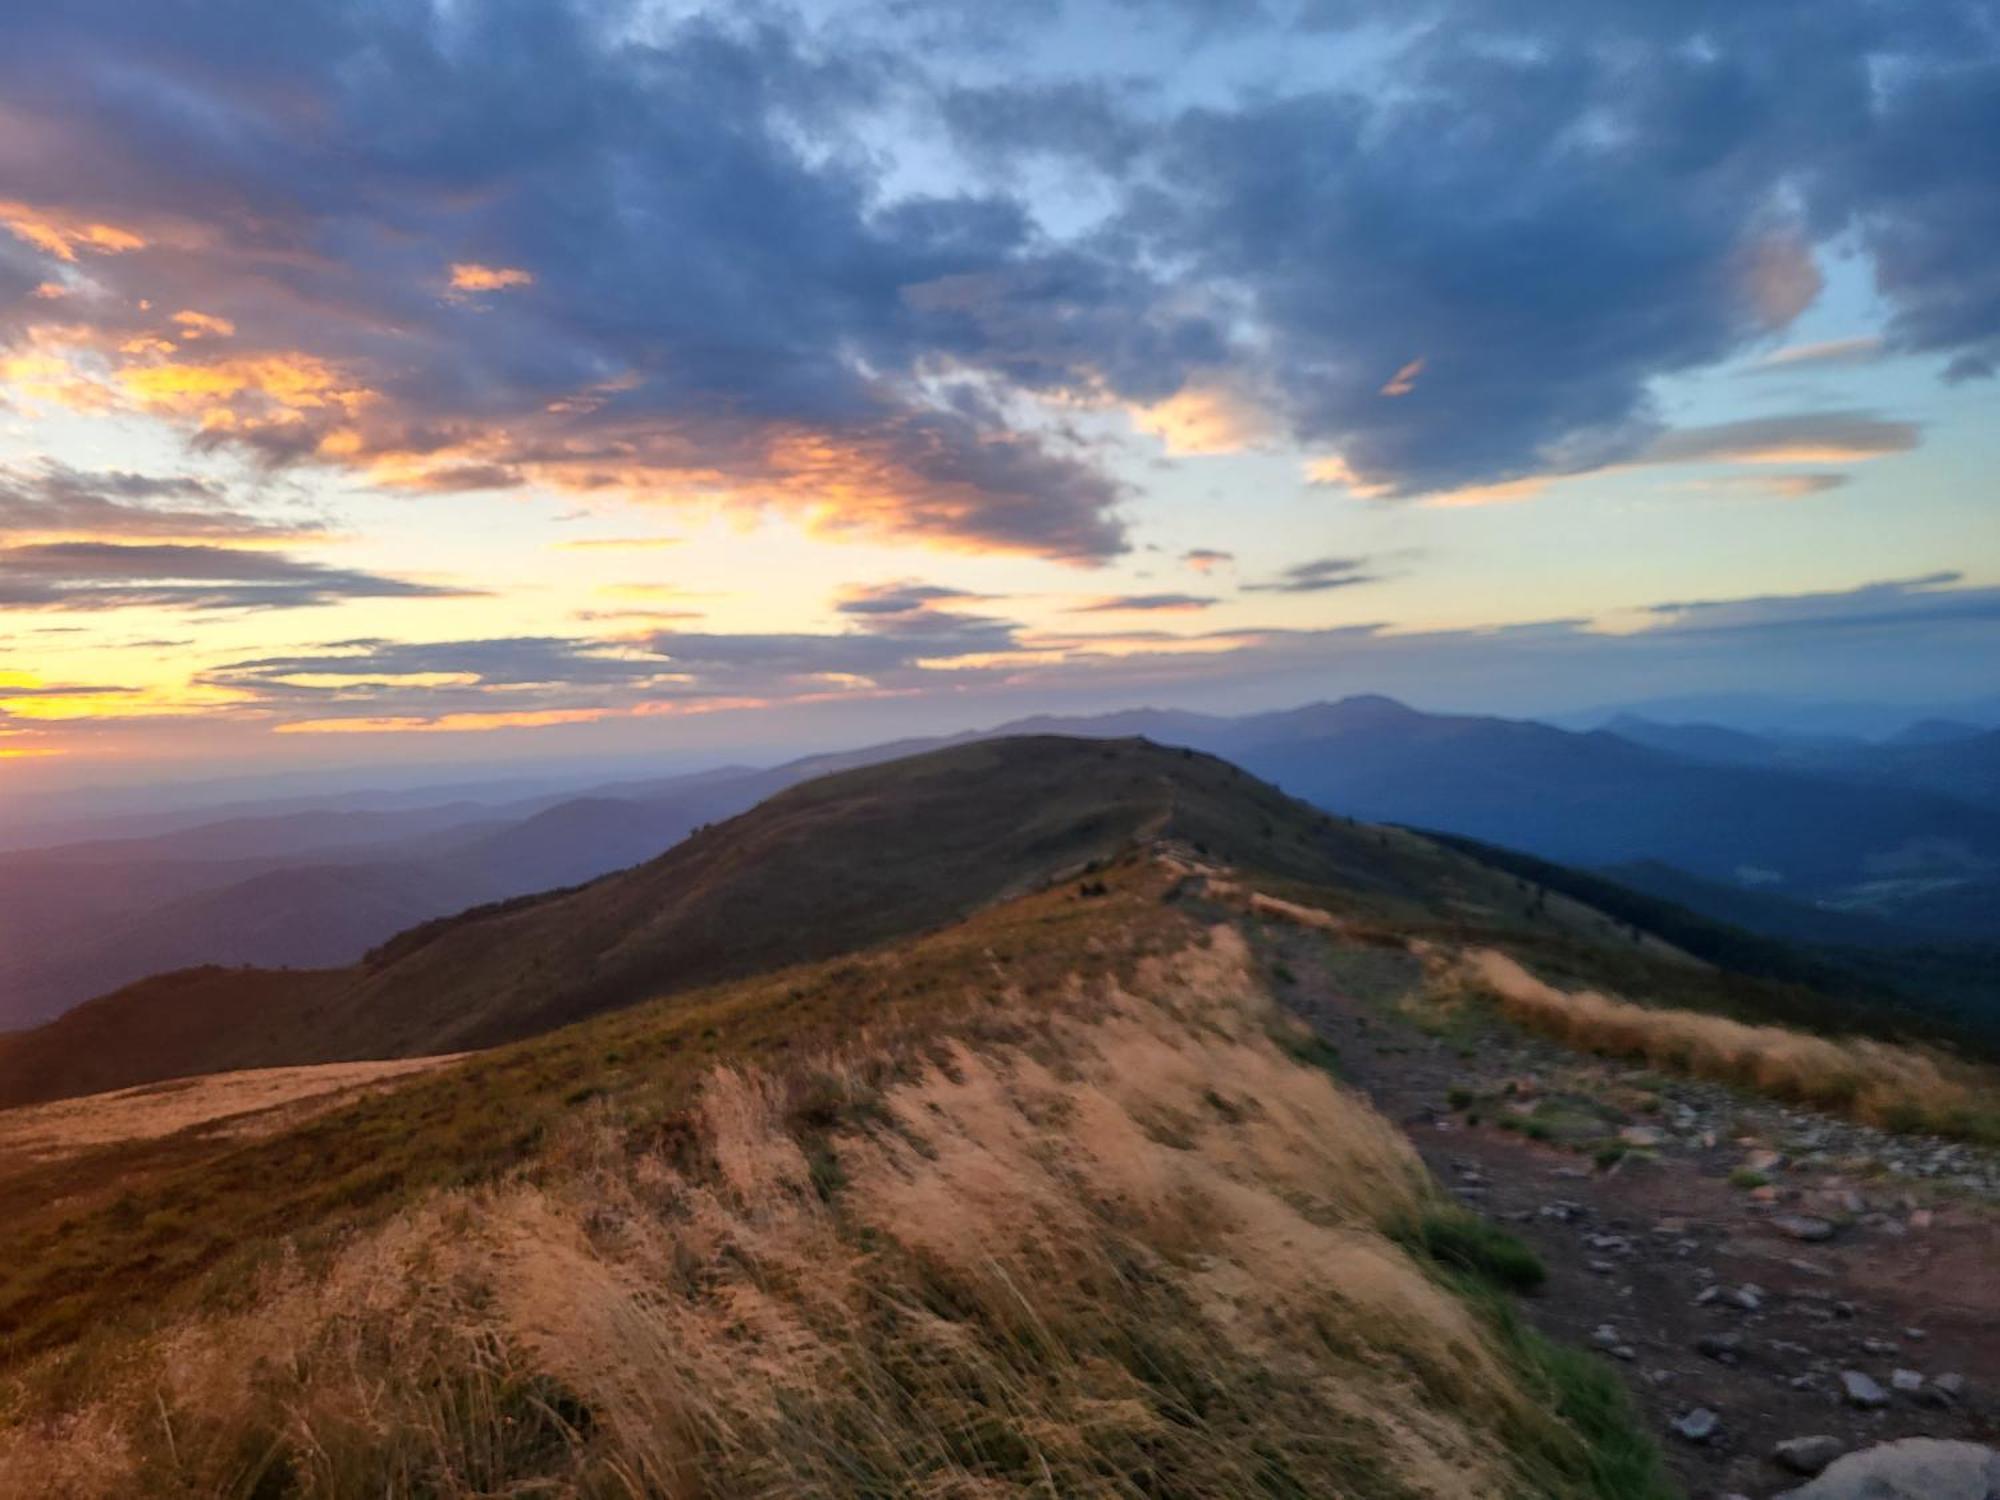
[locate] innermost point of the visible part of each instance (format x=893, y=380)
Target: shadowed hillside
x=852, y=859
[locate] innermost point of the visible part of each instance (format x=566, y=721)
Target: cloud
x=1559, y=206
x=619, y=543
x=1404, y=380
x=469, y=276
x=725, y=309
x=1316, y=577
x=1830, y=353
x=1783, y=486
x=62, y=235
x=1808, y=437
x=1207, y=559
x=1929, y=599
x=201, y=325
x=53, y=500
x=1204, y=420
x=113, y=575
x=1145, y=603
x=1920, y=636
x=749, y=261
x=905, y=598
x=18, y=692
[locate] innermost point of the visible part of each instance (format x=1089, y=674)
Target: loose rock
x=1699, y=1425
x=1807, y=1455
x=1807, y=1227
x=1913, y=1469
x=1862, y=1391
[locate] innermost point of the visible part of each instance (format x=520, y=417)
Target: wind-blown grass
x=1881, y=1083
x=1095, y=1236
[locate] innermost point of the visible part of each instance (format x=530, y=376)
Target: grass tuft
x=1463, y=1241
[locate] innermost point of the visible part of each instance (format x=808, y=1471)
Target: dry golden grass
x=1882, y=1083
x=254, y=1102
x=1119, y=1245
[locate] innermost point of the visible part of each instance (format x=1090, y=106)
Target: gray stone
x=1946, y=1390
x=1699, y=1425
x=1807, y=1227
x=1723, y=1348
x=1862, y=1391
x=1913, y=1469
x=1909, y=1382
x=1808, y=1455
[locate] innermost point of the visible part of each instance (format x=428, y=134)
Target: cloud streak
x=97, y=576
x=54, y=500
x=1316, y=577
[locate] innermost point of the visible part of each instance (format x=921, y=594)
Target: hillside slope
x=842, y=862
x=1050, y=1201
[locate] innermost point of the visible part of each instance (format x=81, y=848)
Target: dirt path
x=1662, y=1257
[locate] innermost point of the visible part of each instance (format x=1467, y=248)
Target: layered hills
x=850, y=859
x=1896, y=845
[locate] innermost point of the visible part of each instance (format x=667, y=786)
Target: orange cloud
x=1404, y=380
x=1203, y=419
x=195, y=325
x=619, y=543
x=259, y=396
x=470, y=276
x=473, y=722
x=62, y=235
x=1507, y=492
x=1334, y=470
x=478, y=722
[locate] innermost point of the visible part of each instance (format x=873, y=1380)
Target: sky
x=482, y=380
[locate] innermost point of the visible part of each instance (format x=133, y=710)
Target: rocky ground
x=1778, y=1287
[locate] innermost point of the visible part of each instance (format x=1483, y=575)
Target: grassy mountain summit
x=1050, y=1197
x=850, y=859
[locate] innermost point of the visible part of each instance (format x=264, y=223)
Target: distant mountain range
x=1885, y=843
x=848, y=860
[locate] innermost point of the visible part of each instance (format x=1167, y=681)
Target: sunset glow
x=502, y=398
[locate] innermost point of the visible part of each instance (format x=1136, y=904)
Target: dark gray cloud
x=1933, y=600
x=1807, y=437
x=1553, y=206
x=722, y=276
x=64, y=690
x=113, y=575
x=1122, y=603
x=56, y=499
x=1316, y=577
x=702, y=285
x=896, y=598
x=1928, y=635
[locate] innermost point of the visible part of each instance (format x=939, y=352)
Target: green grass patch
x=1464, y=1242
